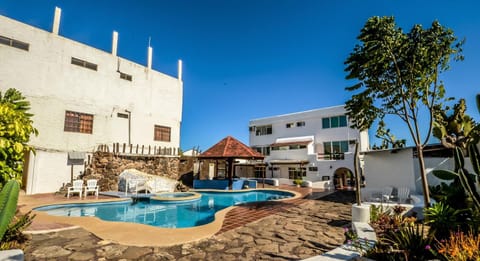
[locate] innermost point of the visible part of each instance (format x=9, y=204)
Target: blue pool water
x=155, y=213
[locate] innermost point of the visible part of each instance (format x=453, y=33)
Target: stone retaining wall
x=105, y=167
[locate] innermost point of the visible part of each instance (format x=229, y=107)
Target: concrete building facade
x=83, y=97
x=315, y=145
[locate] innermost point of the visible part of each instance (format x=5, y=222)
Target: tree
x=398, y=74
x=15, y=130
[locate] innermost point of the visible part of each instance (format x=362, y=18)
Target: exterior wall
x=49, y=171
x=313, y=128
x=45, y=76
x=384, y=168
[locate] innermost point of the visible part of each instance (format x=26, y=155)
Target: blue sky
x=250, y=59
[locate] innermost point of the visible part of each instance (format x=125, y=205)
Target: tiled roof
x=230, y=147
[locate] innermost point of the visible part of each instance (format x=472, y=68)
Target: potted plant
x=298, y=182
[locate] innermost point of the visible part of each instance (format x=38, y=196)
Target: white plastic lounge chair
x=403, y=193
x=91, y=187
x=76, y=188
x=386, y=194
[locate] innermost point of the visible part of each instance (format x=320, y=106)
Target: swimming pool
x=167, y=215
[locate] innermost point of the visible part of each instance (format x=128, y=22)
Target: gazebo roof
x=230, y=147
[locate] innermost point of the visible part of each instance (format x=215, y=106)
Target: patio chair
x=76, y=188
x=91, y=187
x=386, y=194
x=403, y=193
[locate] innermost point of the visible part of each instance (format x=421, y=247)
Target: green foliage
x=388, y=139
x=15, y=130
x=442, y=219
x=412, y=241
x=398, y=74
x=298, y=181
x=14, y=237
x=8, y=204
x=457, y=129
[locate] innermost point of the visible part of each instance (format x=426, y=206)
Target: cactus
x=8, y=204
x=466, y=179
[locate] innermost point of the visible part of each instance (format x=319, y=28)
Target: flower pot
x=361, y=213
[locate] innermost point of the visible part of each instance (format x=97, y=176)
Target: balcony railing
x=331, y=156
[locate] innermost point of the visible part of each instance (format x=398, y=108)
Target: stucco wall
x=49, y=171
x=45, y=76
x=384, y=168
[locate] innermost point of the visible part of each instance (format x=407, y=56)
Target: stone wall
x=105, y=167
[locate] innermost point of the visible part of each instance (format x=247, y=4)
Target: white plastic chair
x=76, y=188
x=403, y=193
x=91, y=187
x=386, y=194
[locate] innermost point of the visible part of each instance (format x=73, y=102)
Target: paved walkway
x=286, y=231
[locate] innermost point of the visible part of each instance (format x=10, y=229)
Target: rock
x=145, y=181
x=134, y=253
x=111, y=251
x=237, y=250
x=50, y=252
x=80, y=256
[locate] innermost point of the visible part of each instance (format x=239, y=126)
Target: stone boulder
x=141, y=181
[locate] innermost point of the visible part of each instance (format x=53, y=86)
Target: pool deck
x=225, y=220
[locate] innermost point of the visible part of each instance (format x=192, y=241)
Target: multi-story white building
x=82, y=97
x=316, y=145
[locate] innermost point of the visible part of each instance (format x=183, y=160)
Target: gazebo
x=229, y=149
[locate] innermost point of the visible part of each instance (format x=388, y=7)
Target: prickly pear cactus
x=8, y=204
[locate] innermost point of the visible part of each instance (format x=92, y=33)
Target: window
x=78, y=122
x=122, y=115
x=263, y=130
x=125, y=76
x=263, y=150
x=325, y=123
x=312, y=168
x=294, y=173
x=300, y=123
x=334, y=150
x=289, y=125
x=162, y=133
x=260, y=171
x=14, y=43
x=85, y=64
x=334, y=122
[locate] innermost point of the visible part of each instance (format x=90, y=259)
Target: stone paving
x=298, y=232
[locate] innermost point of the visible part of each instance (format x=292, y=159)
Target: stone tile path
x=298, y=231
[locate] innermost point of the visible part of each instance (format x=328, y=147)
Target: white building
x=317, y=145
x=82, y=97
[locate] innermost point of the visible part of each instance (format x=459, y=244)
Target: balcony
x=331, y=156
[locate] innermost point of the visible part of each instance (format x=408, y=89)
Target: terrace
x=291, y=229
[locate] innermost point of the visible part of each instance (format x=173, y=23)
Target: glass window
x=336, y=147
x=334, y=122
x=325, y=123
x=300, y=123
x=14, y=43
x=344, y=146
x=263, y=130
x=85, y=64
x=161, y=133
x=343, y=121
x=327, y=147
x=78, y=122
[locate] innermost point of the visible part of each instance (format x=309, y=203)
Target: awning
x=290, y=143
x=75, y=155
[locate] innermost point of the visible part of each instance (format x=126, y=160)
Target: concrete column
x=114, y=43
x=180, y=70
x=149, y=58
x=56, y=20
